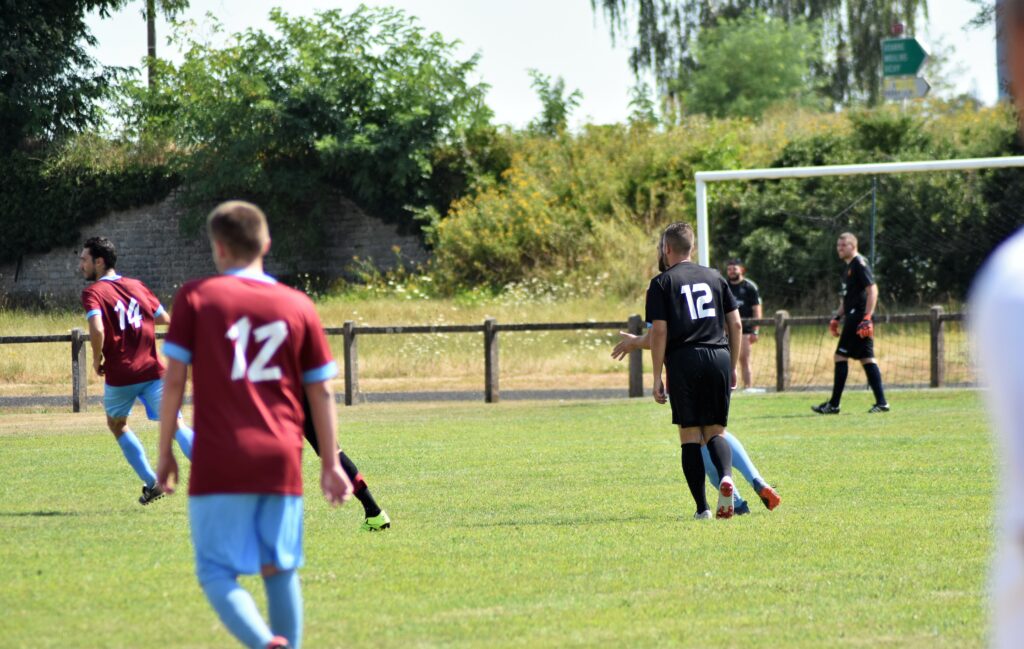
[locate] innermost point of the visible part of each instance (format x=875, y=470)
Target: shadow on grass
x=37, y=514
x=571, y=521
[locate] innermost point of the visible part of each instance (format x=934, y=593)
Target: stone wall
x=151, y=248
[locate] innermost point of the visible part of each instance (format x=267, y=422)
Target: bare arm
x=96, y=342
x=170, y=405
x=631, y=343
x=658, y=340
x=757, y=311
x=732, y=321
x=872, y=300
x=163, y=319
x=335, y=484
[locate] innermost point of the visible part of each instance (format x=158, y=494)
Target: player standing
x=256, y=348
x=858, y=298
x=689, y=307
x=122, y=313
x=748, y=299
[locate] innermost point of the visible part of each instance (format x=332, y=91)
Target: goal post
x=703, y=178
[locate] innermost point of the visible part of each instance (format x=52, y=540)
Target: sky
x=557, y=37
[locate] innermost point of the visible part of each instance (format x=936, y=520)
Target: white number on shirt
x=699, y=309
x=131, y=314
x=271, y=335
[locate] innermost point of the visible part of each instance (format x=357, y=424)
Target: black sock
x=875, y=381
x=721, y=455
x=362, y=492
x=839, y=382
x=693, y=469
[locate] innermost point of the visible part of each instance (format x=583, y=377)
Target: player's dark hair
x=241, y=227
x=102, y=248
x=662, y=260
x=679, y=237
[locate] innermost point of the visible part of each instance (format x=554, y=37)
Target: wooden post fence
x=938, y=348
x=351, y=354
x=491, y=394
x=783, y=323
x=781, y=350
x=79, y=371
x=636, y=360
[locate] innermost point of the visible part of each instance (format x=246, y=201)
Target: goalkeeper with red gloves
x=859, y=295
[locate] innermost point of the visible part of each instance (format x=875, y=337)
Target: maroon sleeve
x=90, y=300
x=181, y=332
x=315, y=352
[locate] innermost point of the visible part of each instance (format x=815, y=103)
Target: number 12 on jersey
x=271, y=335
x=699, y=308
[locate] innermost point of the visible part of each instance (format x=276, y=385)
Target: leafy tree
x=556, y=106
x=642, y=111
x=48, y=83
x=666, y=31
x=357, y=103
x=745, y=65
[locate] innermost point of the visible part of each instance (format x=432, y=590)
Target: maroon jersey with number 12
x=252, y=344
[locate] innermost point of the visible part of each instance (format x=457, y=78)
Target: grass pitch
x=538, y=524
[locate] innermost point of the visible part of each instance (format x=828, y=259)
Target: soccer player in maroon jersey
x=256, y=348
x=122, y=313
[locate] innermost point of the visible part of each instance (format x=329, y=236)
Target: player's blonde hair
x=849, y=236
x=241, y=227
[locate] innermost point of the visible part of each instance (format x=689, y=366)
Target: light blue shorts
x=119, y=399
x=237, y=534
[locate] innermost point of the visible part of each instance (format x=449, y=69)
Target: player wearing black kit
x=858, y=298
x=748, y=299
x=688, y=308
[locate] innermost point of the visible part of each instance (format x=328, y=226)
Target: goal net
x=925, y=228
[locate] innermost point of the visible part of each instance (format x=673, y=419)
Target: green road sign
x=902, y=57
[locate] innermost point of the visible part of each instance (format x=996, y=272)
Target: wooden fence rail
x=782, y=322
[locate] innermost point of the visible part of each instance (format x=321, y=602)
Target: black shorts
x=850, y=344
x=699, y=385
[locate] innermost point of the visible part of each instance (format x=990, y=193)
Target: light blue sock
x=284, y=600
x=741, y=461
x=238, y=612
x=136, y=456
x=184, y=435
x=709, y=468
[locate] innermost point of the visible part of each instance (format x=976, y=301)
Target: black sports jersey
x=693, y=300
x=853, y=284
x=747, y=297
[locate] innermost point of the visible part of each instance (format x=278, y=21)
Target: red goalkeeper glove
x=833, y=327
x=866, y=329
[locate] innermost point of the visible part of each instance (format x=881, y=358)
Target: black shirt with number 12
x=693, y=300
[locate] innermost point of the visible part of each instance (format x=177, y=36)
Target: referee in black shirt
x=688, y=308
x=858, y=298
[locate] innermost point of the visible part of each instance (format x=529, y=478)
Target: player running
x=257, y=348
x=376, y=519
x=122, y=313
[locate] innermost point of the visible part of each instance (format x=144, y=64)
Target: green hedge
x=47, y=195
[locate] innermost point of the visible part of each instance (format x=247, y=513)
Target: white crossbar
x=704, y=177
